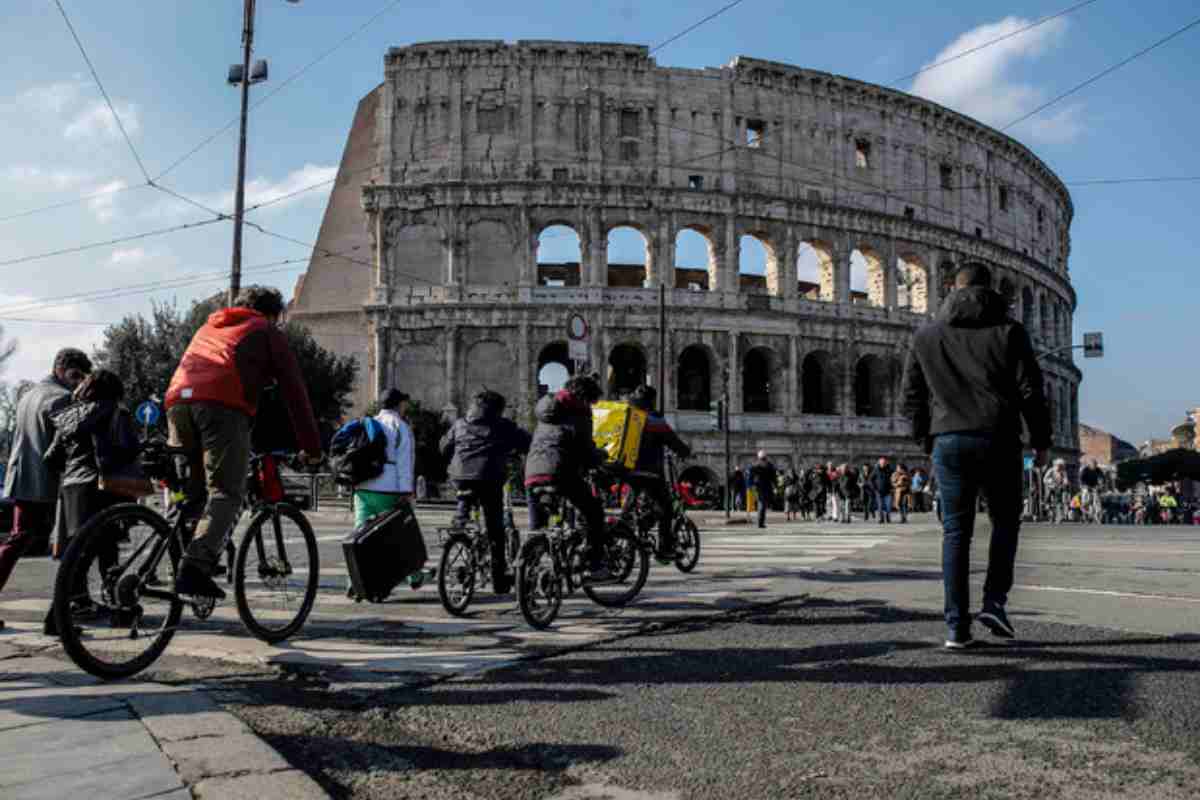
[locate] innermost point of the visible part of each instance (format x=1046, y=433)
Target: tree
x=10, y=395
x=7, y=349
x=145, y=353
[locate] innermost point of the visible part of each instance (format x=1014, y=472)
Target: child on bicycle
x=562, y=453
x=478, y=448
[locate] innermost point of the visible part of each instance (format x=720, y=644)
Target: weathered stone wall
x=479, y=146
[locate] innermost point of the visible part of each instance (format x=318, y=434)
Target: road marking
x=1109, y=593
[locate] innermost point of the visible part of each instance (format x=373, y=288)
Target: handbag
x=127, y=480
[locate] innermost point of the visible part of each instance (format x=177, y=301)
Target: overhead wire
x=1036, y=23
x=286, y=82
x=100, y=84
x=1103, y=73
x=108, y=243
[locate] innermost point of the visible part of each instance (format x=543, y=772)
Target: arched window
x=912, y=290
x=757, y=381
x=628, y=258
x=554, y=367
x=559, y=257
x=695, y=264
x=814, y=271
x=871, y=387
x=818, y=384
x=1009, y=293
x=694, y=380
x=757, y=266
x=626, y=370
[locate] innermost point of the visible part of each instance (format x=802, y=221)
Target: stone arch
x=694, y=378
x=554, y=366
x=759, y=380
x=1027, y=309
x=946, y=271
x=814, y=270
x=491, y=254
x=559, y=255
x=868, y=283
x=622, y=265
x=419, y=366
x=1056, y=336
x=1009, y=292
x=912, y=290
x=627, y=369
x=818, y=384
x=695, y=260
x=1047, y=319
x=758, y=265
x=872, y=387
x=489, y=363
x=416, y=255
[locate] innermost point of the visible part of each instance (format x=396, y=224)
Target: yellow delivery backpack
x=617, y=430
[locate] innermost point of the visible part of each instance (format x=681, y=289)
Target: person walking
x=970, y=378
x=478, y=448
x=762, y=477
x=394, y=485
x=918, y=490
x=791, y=493
x=881, y=484
x=32, y=486
x=737, y=490
x=95, y=436
x=901, y=491
x=870, y=500
x=211, y=402
x=848, y=484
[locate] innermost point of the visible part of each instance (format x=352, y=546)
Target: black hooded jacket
x=562, y=444
x=91, y=438
x=478, y=447
x=973, y=369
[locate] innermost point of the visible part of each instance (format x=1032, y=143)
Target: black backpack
x=358, y=452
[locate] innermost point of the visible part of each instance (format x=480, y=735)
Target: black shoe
x=194, y=583
x=504, y=585
x=599, y=573
x=996, y=621
x=961, y=641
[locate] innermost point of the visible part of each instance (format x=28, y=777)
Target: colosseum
x=830, y=215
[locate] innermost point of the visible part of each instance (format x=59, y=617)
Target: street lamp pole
x=239, y=195
x=725, y=425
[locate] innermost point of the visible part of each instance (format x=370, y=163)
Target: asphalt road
x=805, y=662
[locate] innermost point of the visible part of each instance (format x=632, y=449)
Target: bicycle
x=551, y=564
x=466, y=561
x=644, y=514
x=110, y=573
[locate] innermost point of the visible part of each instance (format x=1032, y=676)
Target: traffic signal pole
x=725, y=424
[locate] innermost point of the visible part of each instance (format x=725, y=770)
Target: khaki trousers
x=218, y=443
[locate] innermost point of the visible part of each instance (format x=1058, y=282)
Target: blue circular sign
x=147, y=413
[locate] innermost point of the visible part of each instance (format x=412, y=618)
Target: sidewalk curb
x=201, y=750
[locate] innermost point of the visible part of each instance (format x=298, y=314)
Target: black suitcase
x=382, y=552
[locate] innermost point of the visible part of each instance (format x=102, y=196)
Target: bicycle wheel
x=113, y=620
x=456, y=574
x=629, y=565
x=276, y=574
x=539, y=586
x=687, y=545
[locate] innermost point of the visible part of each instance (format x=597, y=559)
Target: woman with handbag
x=95, y=448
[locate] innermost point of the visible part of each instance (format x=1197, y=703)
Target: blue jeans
x=885, y=507
x=966, y=464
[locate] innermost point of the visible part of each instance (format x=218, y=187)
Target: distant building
x=1102, y=447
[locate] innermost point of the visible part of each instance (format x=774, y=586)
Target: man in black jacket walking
x=478, y=448
x=971, y=376
x=762, y=477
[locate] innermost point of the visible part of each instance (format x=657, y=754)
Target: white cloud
x=980, y=84
x=54, y=98
x=34, y=175
x=127, y=257
x=97, y=122
x=262, y=190
x=37, y=342
x=103, y=205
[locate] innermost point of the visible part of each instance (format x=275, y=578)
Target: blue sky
x=164, y=65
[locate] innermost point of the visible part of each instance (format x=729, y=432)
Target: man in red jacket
x=211, y=404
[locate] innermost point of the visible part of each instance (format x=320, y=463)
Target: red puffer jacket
x=229, y=362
